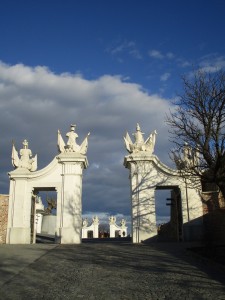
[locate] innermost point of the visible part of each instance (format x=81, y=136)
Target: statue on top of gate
x=140, y=145
x=72, y=145
x=95, y=220
x=26, y=161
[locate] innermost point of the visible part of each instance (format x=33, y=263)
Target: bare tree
x=197, y=125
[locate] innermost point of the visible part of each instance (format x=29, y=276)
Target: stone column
x=71, y=206
x=95, y=231
x=112, y=230
x=142, y=183
x=19, y=221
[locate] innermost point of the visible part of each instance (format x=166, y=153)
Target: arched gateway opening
x=148, y=174
x=63, y=176
x=44, y=215
x=169, y=219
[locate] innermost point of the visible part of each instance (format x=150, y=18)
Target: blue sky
x=104, y=65
x=140, y=40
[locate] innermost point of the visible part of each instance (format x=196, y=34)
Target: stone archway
x=63, y=174
x=147, y=173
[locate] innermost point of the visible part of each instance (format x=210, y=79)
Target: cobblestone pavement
x=106, y=271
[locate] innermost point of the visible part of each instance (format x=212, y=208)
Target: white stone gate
x=147, y=174
x=63, y=175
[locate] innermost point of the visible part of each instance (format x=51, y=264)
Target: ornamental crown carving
x=140, y=145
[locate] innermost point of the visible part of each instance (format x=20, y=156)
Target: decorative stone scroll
x=72, y=145
x=140, y=145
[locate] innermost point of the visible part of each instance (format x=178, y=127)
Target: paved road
x=106, y=271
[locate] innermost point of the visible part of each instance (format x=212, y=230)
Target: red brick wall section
x=4, y=202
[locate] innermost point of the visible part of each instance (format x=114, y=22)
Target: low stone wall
x=4, y=202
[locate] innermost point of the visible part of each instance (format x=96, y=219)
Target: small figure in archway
x=51, y=205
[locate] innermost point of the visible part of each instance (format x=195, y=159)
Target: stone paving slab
x=14, y=258
x=113, y=271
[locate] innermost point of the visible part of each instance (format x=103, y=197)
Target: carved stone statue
x=140, y=145
x=123, y=223
x=112, y=220
x=72, y=136
x=72, y=145
x=189, y=157
x=85, y=222
x=95, y=220
x=25, y=161
x=51, y=205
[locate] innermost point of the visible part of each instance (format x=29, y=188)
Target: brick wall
x=4, y=201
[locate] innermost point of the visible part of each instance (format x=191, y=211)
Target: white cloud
x=165, y=76
x=159, y=55
x=35, y=103
x=125, y=47
x=183, y=63
x=156, y=54
x=212, y=63
x=170, y=55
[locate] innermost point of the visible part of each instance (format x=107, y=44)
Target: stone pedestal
x=48, y=224
x=143, y=217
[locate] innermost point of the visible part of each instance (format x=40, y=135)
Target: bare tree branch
x=198, y=122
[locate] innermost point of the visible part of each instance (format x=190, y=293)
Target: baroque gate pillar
x=71, y=197
x=142, y=198
x=20, y=196
x=19, y=222
x=73, y=160
x=139, y=163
